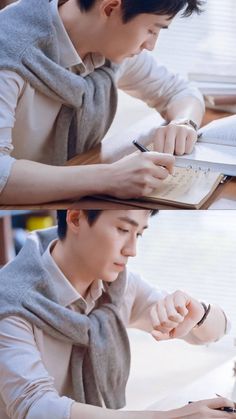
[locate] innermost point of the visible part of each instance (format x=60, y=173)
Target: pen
x=140, y=146
x=224, y=409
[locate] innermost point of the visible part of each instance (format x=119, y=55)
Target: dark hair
x=91, y=215
x=132, y=8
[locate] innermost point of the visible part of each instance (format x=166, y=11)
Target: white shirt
x=35, y=379
x=28, y=117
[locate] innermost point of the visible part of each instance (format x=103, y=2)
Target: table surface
x=218, y=381
x=223, y=198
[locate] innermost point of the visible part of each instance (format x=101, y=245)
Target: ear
x=108, y=7
x=73, y=219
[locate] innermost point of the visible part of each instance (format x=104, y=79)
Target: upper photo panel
x=117, y=104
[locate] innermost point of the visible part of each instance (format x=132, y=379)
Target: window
x=193, y=251
x=204, y=43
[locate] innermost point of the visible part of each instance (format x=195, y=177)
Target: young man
x=65, y=303
x=60, y=66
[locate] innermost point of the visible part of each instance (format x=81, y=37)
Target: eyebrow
x=158, y=25
x=131, y=222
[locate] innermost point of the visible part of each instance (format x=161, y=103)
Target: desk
x=168, y=374
x=219, y=381
x=223, y=198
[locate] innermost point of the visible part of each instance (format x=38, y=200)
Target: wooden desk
x=223, y=198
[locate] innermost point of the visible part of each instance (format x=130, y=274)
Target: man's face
x=128, y=39
x=106, y=246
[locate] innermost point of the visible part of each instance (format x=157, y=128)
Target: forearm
x=185, y=108
x=39, y=183
x=211, y=330
x=84, y=411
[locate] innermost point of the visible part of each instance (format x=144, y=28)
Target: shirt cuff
x=5, y=169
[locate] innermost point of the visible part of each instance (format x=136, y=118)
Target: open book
x=187, y=188
x=216, y=148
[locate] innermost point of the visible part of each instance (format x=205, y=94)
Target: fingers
x=139, y=174
x=219, y=402
x=168, y=314
x=180, y=302
x=207, y=409
x=161, y=160
x=175, y=139
x=190, y=142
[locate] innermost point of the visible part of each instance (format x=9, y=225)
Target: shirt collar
x=69, y=57
x=67, y=294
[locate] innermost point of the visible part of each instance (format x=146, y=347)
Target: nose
x=150, y=43
x=130, y=248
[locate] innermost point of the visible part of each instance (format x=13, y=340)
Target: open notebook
x=187, y=188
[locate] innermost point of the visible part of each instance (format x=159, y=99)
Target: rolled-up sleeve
x=144, y=78
x=26, y=388
x=11, y=88
x=139, y=298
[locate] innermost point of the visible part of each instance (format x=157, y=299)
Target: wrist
x=105, y=177
x=206, y=311
x=185, y=121
x=91, y=179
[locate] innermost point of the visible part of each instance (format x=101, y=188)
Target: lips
x=120, y=265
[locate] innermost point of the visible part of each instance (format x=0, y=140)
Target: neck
x=81, y=27
x=73, y=268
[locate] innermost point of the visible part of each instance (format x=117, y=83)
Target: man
x=65, y=303
x=60, y=66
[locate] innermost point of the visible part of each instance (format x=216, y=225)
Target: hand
x=175, y=139
x=203, y=409
x=175, y=316
x=138, y=174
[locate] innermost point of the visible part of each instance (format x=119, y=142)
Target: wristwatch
x=188, y=122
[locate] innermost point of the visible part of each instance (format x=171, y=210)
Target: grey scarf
x=100, y=360
x=29, y=46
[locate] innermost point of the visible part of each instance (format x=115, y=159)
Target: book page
x=211, y=153
x=189, y=186
x=221, y=131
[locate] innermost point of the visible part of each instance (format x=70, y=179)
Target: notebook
x=188, y=188
x=216, y=148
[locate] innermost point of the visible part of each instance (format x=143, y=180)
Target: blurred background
x=201, y=43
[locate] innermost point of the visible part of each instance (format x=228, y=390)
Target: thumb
x=183, y=328
x=162, y=159
x=160, y=335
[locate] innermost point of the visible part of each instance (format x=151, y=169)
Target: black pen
x=140, y=146
x=225, y=409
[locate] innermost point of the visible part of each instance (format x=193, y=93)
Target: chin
x=110, y=278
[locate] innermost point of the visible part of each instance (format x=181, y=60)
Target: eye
x=139, y=235
x=123, y=230
x=152, y=32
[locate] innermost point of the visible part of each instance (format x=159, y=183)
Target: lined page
x=187, y=186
